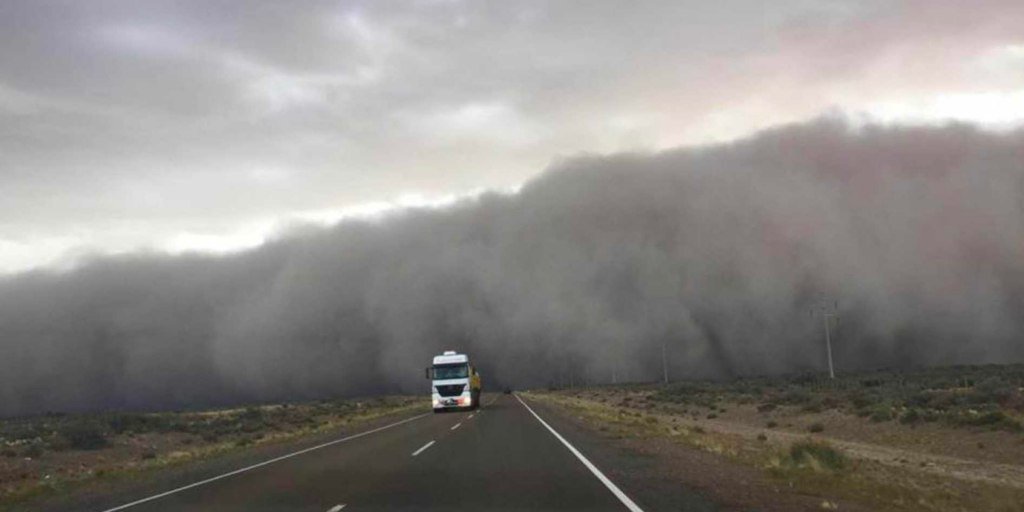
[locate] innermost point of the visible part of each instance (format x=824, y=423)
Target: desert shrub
x=911, y=417
x=795, y=397
x=830, y=402
x=919, y=399
x=881, y=413
x=34, y=450
x=942, y=400
x=817, y=455
x=804, y=379
x=993, y=390
x=861, y=400
x=992, y=419
x=252, y=426
x=120, y=423
x=84, y=435
x=812, y=407
x=245, y=441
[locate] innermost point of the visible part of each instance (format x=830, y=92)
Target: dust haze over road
x=719, y=252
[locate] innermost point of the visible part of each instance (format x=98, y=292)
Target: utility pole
x=828, y=311
x=664, y=361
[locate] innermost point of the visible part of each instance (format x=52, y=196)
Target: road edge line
x=261, y=464
x=633, y=507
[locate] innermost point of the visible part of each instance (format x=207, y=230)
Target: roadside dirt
x=29, y=479
x=653, y=468
x=984, y=456
x=842, y=428
x=731, y=453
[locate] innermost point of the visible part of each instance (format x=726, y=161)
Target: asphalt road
x=501, y=457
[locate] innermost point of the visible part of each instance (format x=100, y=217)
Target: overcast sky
x=206, y=125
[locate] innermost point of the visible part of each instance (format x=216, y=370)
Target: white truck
x=455, y=382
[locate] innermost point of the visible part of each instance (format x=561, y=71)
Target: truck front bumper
x=453, y=402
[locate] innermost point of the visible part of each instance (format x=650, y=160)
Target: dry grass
x=55, y=453
x=807, y=465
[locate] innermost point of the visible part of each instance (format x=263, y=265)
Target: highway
x=504, y=456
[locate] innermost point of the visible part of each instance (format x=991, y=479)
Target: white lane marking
x=261, y=464
x=457, y=425
x=424, y=447
x=633, y=507
x=336, y=508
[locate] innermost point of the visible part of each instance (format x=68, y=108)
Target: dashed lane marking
x=424, y=447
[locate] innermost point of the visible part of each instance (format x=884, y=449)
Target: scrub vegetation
x=879, y=440
x=990, y=397
x=56, y=451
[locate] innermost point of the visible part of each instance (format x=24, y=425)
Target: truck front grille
x=450, y=389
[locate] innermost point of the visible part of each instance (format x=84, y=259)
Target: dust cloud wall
x=718, y=254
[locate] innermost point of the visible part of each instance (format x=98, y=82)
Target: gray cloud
x=125, y=123
x=718, y=252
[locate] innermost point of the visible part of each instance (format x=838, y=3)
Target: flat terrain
x=937, y=439
x=501, y=457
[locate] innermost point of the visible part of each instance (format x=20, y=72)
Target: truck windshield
x=451, y=371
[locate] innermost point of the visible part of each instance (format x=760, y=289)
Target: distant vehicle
x=455, y=382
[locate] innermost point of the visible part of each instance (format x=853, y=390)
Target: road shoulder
x=100, y=493
x=666, y=475
x=770, y=471
x=633, y=469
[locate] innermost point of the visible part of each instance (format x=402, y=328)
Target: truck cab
x=455, y=382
